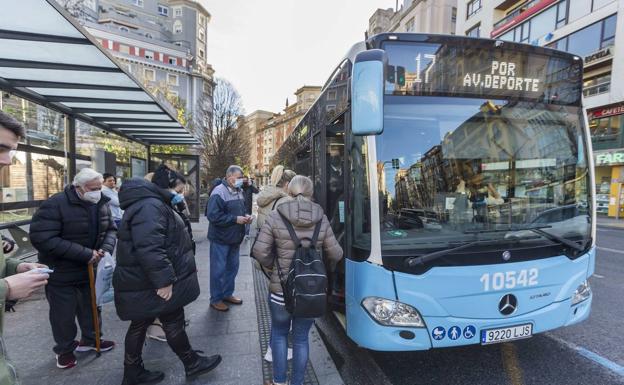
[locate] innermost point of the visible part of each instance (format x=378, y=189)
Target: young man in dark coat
x=226, y=213
x=156, y=275
x=71, y=230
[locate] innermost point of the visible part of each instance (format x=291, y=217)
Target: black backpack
x=305, y=286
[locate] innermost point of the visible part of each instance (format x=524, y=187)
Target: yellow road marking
x=512, y=364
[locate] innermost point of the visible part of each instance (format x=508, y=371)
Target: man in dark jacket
x=226, y=213
x=156, y=276
x=71, y=230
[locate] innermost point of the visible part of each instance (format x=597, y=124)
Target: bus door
x=335, y=183
x=318, y=168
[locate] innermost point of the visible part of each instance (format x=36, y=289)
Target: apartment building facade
x=268, y=131
x=591, y=29
x=163, y=43
x=416, y=16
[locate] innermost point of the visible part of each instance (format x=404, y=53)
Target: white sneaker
x=269, y=355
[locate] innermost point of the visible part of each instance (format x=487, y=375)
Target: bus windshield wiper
x=556, y=238
x=440, y=253
x=536, y=229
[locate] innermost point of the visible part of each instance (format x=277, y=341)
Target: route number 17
x=509, y=279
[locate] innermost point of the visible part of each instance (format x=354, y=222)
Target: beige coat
x=268, y=199
x=304, y=215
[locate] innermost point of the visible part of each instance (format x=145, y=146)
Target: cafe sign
x=606, y=112
x=609, y=158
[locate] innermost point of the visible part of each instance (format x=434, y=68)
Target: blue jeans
x=224, y=261
x=280, y=326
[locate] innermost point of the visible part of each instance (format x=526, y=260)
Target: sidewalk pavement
x=608, y=222
x=234, y=334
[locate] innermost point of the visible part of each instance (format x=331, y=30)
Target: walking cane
x=96, y=322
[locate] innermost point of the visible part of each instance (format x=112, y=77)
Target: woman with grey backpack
x=289, y=243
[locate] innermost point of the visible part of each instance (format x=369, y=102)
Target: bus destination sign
x=461, y=70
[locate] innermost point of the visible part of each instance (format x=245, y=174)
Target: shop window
x=44, y=128
x=605, y=129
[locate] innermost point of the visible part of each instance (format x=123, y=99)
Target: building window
x=202, y=20
x=605, y=129
x=597, y=85
x=172, y=79
x=202, y=54
x=163, y=10
x=138, y=3
x=177, y=11
x=173, y=61
x=409, y=26
x=177, y=26
x=149, y=55
x=590, y=39
x=472, y=7
x=562, y=14
x=454, y=15
x=474, y=31
x=149, y=74
x=202, y=35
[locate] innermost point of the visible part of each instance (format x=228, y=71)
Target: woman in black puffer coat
x=155, y=276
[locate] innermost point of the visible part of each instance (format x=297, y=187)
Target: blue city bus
x=457, y=175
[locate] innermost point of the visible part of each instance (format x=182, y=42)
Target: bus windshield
x=450, y=167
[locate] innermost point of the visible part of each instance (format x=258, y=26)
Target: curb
x=612, y=227
x=322, y=363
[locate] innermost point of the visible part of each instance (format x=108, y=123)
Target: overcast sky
x=269, y=48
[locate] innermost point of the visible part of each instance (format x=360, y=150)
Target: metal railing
x=596, y=89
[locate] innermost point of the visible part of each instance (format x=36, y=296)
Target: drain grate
x=261, y=289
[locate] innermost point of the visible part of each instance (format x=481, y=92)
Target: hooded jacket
x=154, y=251
x=62, y=233
x=268, y=200
x=304, y=215
x=224, y=205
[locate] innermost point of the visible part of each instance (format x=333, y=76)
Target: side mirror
x=367, y=92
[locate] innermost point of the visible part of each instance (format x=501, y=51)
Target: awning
x=47, y=57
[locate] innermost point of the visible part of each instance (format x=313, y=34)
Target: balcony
x=516, y=12
x=520, y=14
x=596, y=89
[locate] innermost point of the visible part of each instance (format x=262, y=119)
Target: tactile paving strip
x=261, y=289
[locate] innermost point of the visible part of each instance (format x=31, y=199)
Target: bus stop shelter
x=80, y=107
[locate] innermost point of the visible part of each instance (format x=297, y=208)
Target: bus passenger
x=304, y=215
x=274, y=194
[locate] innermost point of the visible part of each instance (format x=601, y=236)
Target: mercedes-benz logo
x=506, y=255
x=508, y=304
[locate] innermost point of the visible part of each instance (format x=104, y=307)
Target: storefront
x=605, y=124
x=79, y=107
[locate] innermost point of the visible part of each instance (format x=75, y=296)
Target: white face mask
x=92, y=196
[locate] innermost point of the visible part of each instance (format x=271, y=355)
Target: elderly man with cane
x=72, y=230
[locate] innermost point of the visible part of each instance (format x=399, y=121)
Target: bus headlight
x=583, y=291
x=392, y=313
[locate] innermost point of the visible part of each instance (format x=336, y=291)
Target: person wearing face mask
x=226, y=213
x=71, y=230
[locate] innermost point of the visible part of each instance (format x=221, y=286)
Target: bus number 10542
x=509, y=279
